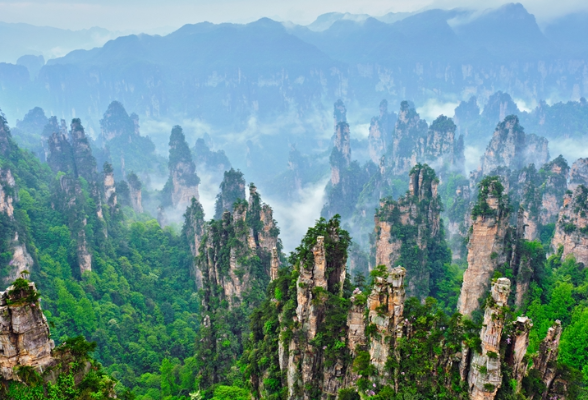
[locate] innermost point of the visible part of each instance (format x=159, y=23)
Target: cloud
x=434, y=108
x=472, y=158
x=294, y=218
x=571, y=149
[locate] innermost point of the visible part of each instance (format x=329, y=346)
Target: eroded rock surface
x=24, y=333
x=571, y=229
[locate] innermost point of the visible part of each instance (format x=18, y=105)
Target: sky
x=149, y=15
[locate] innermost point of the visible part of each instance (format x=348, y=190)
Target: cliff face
x=545, y=362
x=183, y=182
x=485, y=376
x=135, y=192
x=232, y=189
x=440, y=148
x=380, y=134
x=235, y=257
x=386, y=306
x=21, y=260
x=24, y=332
x=578, y=174
x=571, y=229
x=109, y=185
x=487, y=243
x=341, y=154
x=409, y=128
x=7, y=185
x=413, y=222
x=376, y=341
x=554, y=189
x=347, y=177
x=511, y=147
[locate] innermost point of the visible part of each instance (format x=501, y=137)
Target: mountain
x=21, y=39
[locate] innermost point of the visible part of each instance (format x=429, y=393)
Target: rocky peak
x=440, y=148
x=60, y=154
x=116, y=122
x=339, y=112
x=341, y=154
x=183, y=180
x=511, y=147
x=485, y=377
x=412, y=222
x=486, y=244
x=571, y=229
x=408, y=130
x=554, y=187
x=24, y=333
x=578, y=174
x=232, y=189
x=499, y=106
x=85, y=163
x=380, y=134
x=466, y=114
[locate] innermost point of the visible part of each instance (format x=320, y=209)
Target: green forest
x=138, y=317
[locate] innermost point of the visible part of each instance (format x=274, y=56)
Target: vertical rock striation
x=487, y=243
x=24, y=333
x=232, y=189
x=135, y=186
x=412, y=225
x=380, y=133
x=571, y=229
x=183, y=181
x=485, y=377
x=578, y=174
x=510, y=147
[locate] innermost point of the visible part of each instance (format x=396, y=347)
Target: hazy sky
x=142, y=15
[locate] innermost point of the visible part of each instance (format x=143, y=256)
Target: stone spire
x=485, y=376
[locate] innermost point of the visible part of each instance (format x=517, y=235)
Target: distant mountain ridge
x=225, y=74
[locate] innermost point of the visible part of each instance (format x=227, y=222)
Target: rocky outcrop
x=409, y=128
x=386, y=306
x=380, y=133
x=546, y=360
x=21, y=261
x=347, y=177
x=511, y=147
x=413, y=222
x=341, y=154
x=135, y=186
x=518, y=343
x=578, y=174
x=554, y=188
x=5, y=136
x=25, y=340
x=116, y=122
x=183, y=181
x=571, y=229
x=215, y=162
x=232, y=189
x=485, y=377
x=306, y=364
x=85, y=163
x=487, y=243
x=440, y=148
x=193, y=230
x=109, y=185
x=7, y=187
x=247, y=232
